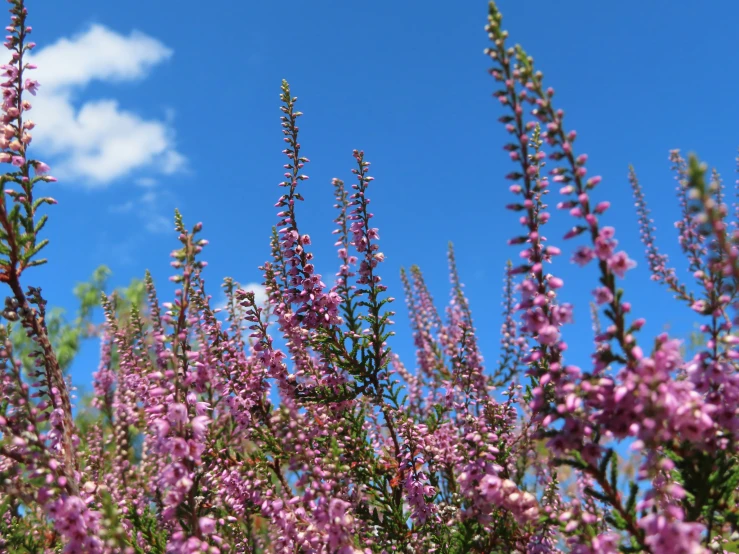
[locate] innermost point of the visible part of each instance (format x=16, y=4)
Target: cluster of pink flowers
x=205, y=437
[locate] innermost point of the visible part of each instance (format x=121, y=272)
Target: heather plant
x=205, y=436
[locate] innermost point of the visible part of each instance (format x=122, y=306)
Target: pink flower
x=199, y=426
x=583, y=255
x=161, y=427
x=178, y=447
x=555, y=282
x=603, y=295
x=32, y=86
x=548, y=335
x=207, y=525
x=620, y=263
x=177, y=413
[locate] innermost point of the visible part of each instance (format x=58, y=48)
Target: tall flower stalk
x=292, y=426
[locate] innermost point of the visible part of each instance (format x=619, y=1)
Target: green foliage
x=66, y=335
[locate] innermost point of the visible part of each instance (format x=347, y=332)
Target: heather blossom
x=293, y=425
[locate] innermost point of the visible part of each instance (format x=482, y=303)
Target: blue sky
x=148, y=106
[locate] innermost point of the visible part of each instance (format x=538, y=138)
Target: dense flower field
x=204, y=437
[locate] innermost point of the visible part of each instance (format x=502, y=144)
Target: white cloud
x=147, y=208
x=123, y=208
x=159, y=224
x=146, y=182
x=96, y=142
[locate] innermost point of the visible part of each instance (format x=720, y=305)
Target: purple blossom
x=291, y=426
